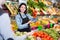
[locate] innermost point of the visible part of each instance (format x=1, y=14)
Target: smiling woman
x=23, y=19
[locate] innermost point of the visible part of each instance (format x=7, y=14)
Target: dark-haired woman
x=23, y=19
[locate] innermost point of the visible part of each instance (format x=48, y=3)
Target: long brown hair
x=21, y=5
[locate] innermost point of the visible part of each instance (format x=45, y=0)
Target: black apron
x=25, y=20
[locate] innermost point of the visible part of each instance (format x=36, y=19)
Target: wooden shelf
x=12, y=8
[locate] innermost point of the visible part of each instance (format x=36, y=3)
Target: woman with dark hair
x=19, y=10
x=23, y=19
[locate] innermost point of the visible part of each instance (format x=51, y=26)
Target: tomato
x=51, y=39
x=41, y=32
x=44, y=39
x=48, y=38
x=35, y=34
x=45, y=36
x=39, y=35
x=42, y=36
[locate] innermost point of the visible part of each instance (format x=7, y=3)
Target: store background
x=14, y=7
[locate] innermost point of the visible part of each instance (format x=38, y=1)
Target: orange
x=37, y=23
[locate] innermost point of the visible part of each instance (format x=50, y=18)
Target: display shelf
x=6, y=9
x=12, y=6
x=49, y=15
x=40, y=8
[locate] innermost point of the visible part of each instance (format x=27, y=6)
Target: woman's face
x=22, y=8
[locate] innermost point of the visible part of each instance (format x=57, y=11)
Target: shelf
x=12, y=7
x=50, y=15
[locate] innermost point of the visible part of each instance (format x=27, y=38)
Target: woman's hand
x=29, y=22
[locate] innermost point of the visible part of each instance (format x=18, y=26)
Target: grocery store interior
x=42, y=19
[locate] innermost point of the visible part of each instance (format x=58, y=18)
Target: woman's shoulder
x=17, y=15
x=27, y=14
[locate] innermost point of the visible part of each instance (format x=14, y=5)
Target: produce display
x=45, y=34
x=53, y=11
x=52, y=33
x=34, y=7
x=48, y=21
x=47, y=2
x=42, y=35
x=42, y=7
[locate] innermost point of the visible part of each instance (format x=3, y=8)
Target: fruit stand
x=45, y=34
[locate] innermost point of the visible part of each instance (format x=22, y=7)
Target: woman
x=23, y=19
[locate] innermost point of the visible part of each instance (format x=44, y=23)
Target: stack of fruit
x=42, y=35
x=32, y=24
x=44, y=22
x=45, y=34
x=20, y=33
x=30, y=38
x=54, y=34
x=35, y=24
